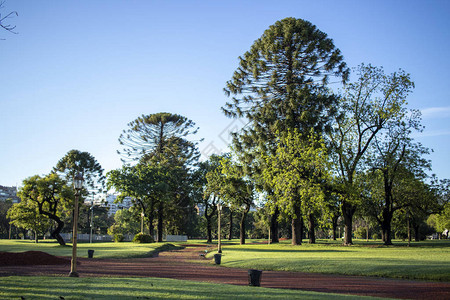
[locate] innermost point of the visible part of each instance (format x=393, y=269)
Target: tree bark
x=297, y=226
x=59, y=227
x=230, y=234
x=416, y=232
x=334, y=221
x=208, y=231
x=151, y=230
x=386, y=227
x=160, y=222
x=348, y=211
x=367, y=231
x=311, y=229
x=60, y=224
x=209, y=221
x=242, y=225
x=274, y=226
x=409, y=229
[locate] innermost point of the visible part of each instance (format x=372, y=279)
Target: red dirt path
x=175, y=264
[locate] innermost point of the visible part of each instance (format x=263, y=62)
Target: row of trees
x=312, y=152
x=308, y=155
x=47, y=202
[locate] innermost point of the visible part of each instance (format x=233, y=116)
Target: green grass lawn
x=101, y=250
x=429, y=260
x=142, y=288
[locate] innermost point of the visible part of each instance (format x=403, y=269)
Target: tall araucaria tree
x=157, y=135
x=162, y=138
x=75, y=162
x=279, y=85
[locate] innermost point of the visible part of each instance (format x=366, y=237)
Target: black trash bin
x=217, y=258
x=254, y=277
x=90, y=253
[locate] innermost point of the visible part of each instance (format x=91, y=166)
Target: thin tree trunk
x=297, y=226
x=274, y=226
x=416, y=232
x=209, y=221
x=242, y=225
x=160, y=222
x=208, y=230
x=367, y=231
x=334, y=221
x=409, y=229
x=230, y=234
x=311, y=229
x=151, y=230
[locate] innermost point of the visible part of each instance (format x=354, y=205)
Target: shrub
x=361, y=233
x=118, y=237
x=143, y=238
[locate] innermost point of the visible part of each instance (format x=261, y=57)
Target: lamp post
x=219, y=244
x=142, y=221
x=77, y=185
x=91, y=224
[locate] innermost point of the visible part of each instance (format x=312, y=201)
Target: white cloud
x=436, y=112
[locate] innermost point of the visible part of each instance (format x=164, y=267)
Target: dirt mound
x=30, y=258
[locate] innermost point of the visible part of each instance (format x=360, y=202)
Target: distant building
x=7, y=192
x=108, y=201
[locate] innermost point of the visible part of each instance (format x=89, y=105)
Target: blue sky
x=78, y=71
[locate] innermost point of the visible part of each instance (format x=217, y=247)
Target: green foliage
x=4, y=221
x=441, y=221
x=25, y=214
x=146, y=184
x=361, y=233
x=52, y=196
x=141, y=238
x=288, y=57
x=126, y=221
x=161, y=182
x=75, y=162
x=118, y=237
x=372, y=103
x=227, y=182
x=158, y=135
x=298, y=172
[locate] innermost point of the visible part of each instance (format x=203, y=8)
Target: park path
x=187, y=264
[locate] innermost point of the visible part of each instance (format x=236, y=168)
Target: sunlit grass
x=426, y=260
x=142, y=288
x=101, y=250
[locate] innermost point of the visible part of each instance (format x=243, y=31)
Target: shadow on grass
x=140, y=288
